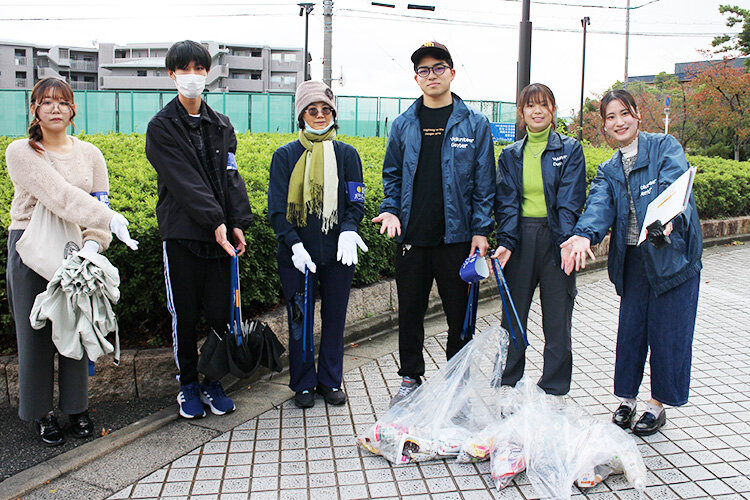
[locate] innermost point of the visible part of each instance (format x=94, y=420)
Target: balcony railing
x=83, y=85
x=20, y=61
x=83, y=65
x=21, y=82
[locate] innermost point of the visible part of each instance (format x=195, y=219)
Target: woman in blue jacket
x=540, y=193
x=655, y=279
x=315, y=203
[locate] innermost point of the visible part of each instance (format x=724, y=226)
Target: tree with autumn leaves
x=710, y=109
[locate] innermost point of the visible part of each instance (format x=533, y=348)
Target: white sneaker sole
x=213, y=409
x=186, y=415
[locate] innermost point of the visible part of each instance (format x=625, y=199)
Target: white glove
x=90, y=247
x=348, y=243
x=119, y=226
x=301, y=259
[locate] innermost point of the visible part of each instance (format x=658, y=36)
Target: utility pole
x=627, y=39
x=584, y=22
x=327, y=41
x=524, y=55
x=306, y=8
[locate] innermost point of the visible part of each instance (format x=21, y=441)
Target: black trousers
x=333, y=283
x=416, y=268
x=194, y=284
x=533, y=263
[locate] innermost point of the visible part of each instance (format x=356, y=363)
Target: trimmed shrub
x=722, y=189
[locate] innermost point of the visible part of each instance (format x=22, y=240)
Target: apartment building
x=234, y=68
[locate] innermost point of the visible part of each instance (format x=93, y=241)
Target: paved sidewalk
x=281, y=452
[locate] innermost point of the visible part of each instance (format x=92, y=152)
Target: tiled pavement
x=704, y=451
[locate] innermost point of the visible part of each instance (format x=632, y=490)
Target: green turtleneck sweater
x=532, y=203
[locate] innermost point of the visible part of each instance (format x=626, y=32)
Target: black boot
x=81, y=425
x=49, y=430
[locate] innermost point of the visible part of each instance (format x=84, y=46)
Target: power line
x=363, y=14
x=117, y=18
x=591, y=6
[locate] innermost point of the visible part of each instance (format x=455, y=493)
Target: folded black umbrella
x=259, y=347
x=244, y=347
x=213, y=361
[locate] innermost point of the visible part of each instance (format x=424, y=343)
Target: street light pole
x=306, y=8
x=524, y=55
x=584, y=22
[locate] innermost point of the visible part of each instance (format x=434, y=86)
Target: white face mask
x=190, y=85
x=322, y=131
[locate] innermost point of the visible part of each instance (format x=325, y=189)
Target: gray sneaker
x=408, y=385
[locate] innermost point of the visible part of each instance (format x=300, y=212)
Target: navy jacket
x=660, y=162
x=321, y=247
x=564, y=181
x=468, y=171
x=187, y=208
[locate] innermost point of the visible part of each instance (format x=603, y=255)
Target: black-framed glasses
x=438, y=69
x=48, y=105
x=313, y=111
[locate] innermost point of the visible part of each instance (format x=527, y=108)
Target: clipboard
x=670, y=203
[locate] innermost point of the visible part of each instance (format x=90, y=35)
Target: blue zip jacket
x=564, y=180
x=321, y=247
x=660, y=162
x=468, y=171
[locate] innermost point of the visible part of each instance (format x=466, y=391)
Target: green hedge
x=722, y=188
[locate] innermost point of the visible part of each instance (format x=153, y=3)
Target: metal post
x=524, y=55
x=627, y=39
x=132, y=111
x=584, y=22
x=306, y=8
x=327, y=41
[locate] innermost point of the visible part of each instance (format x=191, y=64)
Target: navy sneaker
x=213, y=395
x=189, y=399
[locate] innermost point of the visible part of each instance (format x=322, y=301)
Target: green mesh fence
x=105, y=111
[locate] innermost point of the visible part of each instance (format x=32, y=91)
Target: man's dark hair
x=181, y=54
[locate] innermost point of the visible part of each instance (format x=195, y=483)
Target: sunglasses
x=313, y=111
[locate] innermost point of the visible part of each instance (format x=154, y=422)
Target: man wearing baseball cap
x=438, y=190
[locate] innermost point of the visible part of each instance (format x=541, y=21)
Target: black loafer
x=649, y=424
x=623, y=416
x=332, y=395
x=81, y=425
x=304, y=399
x=49, y=431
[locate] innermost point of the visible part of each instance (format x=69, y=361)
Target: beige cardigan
x=63, y=187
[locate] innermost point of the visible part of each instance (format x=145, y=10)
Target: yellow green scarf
x=313, y=186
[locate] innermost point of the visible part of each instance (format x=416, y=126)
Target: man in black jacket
x=202, y=211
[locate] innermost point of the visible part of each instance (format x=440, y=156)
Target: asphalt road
x=20, y=448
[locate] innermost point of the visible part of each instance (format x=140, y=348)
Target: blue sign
x=667, y=101
x=503, y=132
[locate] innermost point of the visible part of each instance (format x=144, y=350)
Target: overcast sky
x=372, y=45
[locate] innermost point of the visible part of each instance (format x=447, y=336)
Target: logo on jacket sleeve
x=231, y=162
x=356, y=191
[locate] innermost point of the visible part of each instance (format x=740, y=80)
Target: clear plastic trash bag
x=458, y=401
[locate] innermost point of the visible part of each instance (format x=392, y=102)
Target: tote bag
x=47, y=241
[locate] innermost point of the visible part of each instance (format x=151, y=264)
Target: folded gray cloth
x=78, y=300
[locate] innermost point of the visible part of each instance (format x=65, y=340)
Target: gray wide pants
x=534, y=263
x=36, y=351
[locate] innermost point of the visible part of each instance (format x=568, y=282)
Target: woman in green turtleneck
x=540, y=195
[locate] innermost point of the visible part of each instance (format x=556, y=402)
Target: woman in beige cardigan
x=69, y=177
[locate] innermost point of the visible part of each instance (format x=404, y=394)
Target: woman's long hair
x=49, y=87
